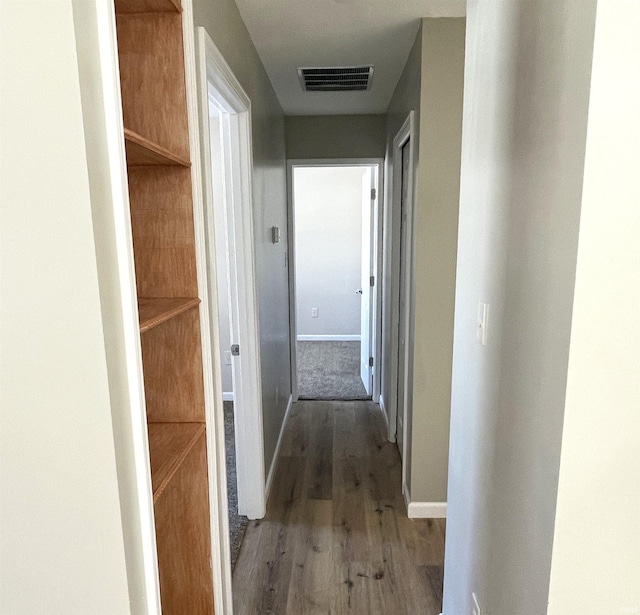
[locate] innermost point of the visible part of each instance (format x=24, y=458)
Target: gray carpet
x=237, y=524
x=330, y=370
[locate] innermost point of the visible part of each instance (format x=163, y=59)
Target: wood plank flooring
x=336, y=538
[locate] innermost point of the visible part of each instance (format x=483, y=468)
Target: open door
x=366, y=281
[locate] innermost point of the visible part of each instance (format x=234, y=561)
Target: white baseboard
x=407, y=496
x=276, y=454
x=423, y=510
x=328, y=338
x=227, y=396
x=427, y=510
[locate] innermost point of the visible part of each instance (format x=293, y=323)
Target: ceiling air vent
x=336, y=79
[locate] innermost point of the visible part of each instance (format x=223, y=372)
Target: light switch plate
x=314, y=312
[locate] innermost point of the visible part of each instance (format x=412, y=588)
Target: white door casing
x=403, y=311
x=376, y=262
x=219, y=91
x=402, y=298
x=225, y=94
x=366, y=289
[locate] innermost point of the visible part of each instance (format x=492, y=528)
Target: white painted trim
x=406, y=495
x=227, y=396
x=423, y=510
x=427, y=510
x=96, y=46
x=334, y=162
x=378, y=273
x=406, y=132
x=378, y=269
x=216, y=73
x=384, y=412
x=328, y=338
x=291, y=261
x=276, y=454
x=212, y=362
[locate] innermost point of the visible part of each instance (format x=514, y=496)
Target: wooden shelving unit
x=152, y=78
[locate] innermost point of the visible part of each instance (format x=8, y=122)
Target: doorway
x=334, y=256
x=238, y=463
x=402, y=291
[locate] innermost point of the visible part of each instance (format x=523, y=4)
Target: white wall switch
x=475, y=610
x=314, y=312
x=227, y=357
x=482, y=322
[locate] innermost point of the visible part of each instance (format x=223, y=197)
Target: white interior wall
x=527, y=79
x=61, y=532
x=596, y=551
x=328, y=249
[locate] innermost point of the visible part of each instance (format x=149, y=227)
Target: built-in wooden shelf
x=147, y=6
x=169, y=445
x=153, y=311
x=142, y=152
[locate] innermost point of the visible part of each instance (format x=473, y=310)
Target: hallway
x=336, y=537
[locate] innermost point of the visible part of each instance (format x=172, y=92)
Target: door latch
x=235, y=350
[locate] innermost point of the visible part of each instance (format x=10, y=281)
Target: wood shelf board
x=152, y=79
x=169, y=445
x=143, y=152
x=124, y=7
x=153, y=311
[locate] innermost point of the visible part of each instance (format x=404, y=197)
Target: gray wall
x=222, y=21
x=432, y=84
x=525, y=114
x=335, y=136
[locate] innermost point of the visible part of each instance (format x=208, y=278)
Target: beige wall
x=62, y=538
x=527, y=82
x=436, y=235
x=224, y=24
x=432, y=85
x=599, y=485
x=335, y=136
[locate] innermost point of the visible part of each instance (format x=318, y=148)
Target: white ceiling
x=305, y=33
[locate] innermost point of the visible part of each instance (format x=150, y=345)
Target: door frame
x=214, y=71
x=406, y=133
x=377, y=262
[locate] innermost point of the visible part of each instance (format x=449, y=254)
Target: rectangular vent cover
x=336, y=79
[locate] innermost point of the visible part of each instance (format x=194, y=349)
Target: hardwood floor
x=336, y=538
